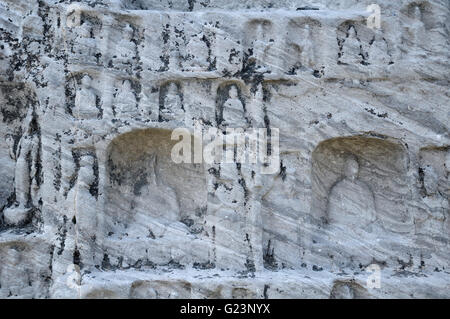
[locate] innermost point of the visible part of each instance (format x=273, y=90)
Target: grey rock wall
x=92, y=205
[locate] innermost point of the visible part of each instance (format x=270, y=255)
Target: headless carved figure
x=82, y=204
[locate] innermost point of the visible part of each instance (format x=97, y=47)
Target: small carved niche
x=353, y=38
x=301, y=39
x=19, y=137
x=259, y=42
x=171, y=102
x=434, y=171
x=422, y=11
x=82, y=157
x=230, y=105
x=198, y=47
x=126, y=97
x=83, y=36
x=90, y=23
x=82, y=97
x=123, y=41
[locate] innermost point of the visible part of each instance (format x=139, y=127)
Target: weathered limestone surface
x=92, y=206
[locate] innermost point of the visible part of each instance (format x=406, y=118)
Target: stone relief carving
x=230, y=109
x=82, y=198
x=378, y=52
x=125, y=102
x=85, y=30
x=85, y=100
x=147, y=182
x=351, y=201
x=345, y=193
x=300, y=42
x=415, y=32
x=27, y=171
x=350, y=49
x=261, y=44
x=349, y=170
x=197, y=53
x=170, y=102
x=434, y=179
x=125, y=50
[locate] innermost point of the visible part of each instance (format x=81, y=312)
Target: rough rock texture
x=92, y=205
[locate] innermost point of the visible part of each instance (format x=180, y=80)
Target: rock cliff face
x=92, y=204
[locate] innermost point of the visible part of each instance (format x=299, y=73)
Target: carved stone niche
x=353, y=39
x=23, y=272
x=20, y=149
x=260, y=44
x=301, y=42
x=153, y=207
x=13, y=110
x=171, y=102
x=231, y=108
x=422, y=19
x=198, y=47
x=122, y=46
x=359, y=195
x=83, y=36
x=421, y=11
x=434, y=178
x=82, y=96
x=434, y=170
x=363, y=46
x=126, y=98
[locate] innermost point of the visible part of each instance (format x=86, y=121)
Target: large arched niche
x=359, y=202
x=152, y=201
x=383, y=165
